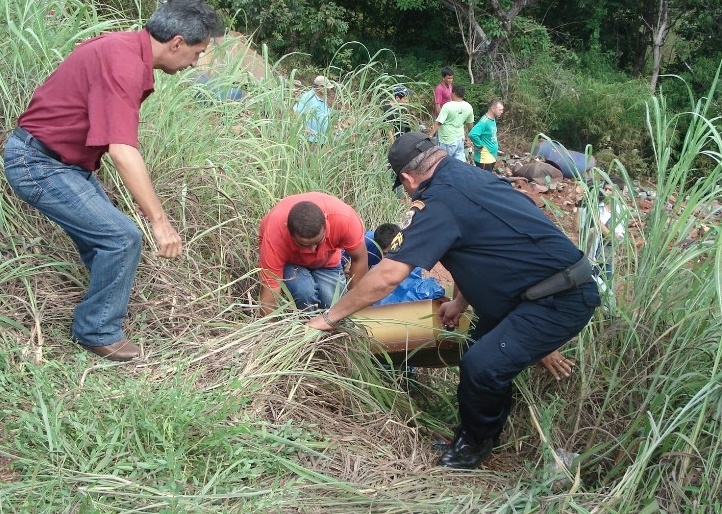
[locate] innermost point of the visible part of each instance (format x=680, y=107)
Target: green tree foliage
x=701, y=27
x=412, y=25
x=423, y=28
x=611, y=27
x=623, y=32
x=311, y=26
x=550, y=95
x=698, y=51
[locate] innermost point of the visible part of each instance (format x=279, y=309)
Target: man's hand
x=358, y=265
x=557, y=365
x=319, y=324
x=133, y=172
x=168, y=241
x=450, y=312
x=376, y=284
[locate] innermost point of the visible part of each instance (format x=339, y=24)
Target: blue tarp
x=414, y=287
x=218, y=91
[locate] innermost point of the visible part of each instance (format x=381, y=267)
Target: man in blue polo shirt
x=528, y=283
x=315, y=108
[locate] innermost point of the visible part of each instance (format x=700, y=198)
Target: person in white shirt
x=611, y=221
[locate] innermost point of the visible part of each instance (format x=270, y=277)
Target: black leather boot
x=465, y=453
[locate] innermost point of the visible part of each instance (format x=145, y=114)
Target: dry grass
x=229, y=413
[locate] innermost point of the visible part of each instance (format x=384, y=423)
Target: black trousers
x=488, y=166
x=532, y=330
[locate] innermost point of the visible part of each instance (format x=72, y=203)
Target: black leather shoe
x=443, y=445
x=465, y=453
x=122, y=350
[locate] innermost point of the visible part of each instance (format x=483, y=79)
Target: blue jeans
x=455, y=150
x=109, y=243
x=314, y=288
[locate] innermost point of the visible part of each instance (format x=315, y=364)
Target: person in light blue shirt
x=314, y=107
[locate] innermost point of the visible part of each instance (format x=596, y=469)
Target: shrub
x=576, y=109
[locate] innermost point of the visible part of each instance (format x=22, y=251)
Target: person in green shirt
x=452, y=123
x=483, y=136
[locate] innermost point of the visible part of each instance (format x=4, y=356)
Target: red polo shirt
x=93, y=98
x=344, y=230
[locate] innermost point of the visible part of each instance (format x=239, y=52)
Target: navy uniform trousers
x=532, y=330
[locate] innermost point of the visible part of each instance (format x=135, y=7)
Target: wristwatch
x=327, y=318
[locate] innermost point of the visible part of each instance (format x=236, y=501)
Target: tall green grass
x=230, y=413
x=647, y=416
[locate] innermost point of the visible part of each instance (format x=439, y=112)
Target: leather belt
x=34, y=142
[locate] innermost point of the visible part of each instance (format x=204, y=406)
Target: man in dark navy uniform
x=503, y=253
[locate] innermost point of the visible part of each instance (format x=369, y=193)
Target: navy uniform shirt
x=492, y=239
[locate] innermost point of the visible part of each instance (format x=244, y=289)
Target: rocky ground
x=558, y=199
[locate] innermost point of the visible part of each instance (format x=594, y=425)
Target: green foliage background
x=227, y=412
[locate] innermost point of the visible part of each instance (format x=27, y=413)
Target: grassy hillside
x=227, y=412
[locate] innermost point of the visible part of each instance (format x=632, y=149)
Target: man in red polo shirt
x=442, y=92
x=88, y=106
x=300, y=241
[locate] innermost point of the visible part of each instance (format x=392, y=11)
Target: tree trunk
x=659, y=37
x=474, y=38
x=481, y=49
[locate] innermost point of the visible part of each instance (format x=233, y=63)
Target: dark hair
x=603, y=184
x=446, y=71
x=401, y=91
x=385, y=233
x=194, y=20
x=305, y=219
x=458, y=90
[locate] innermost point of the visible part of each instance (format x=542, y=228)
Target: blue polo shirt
x=316, y=113
x=491, y=238
x=374, y=252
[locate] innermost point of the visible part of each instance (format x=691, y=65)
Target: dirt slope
x=226, y=50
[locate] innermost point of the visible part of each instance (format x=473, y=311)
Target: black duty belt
x=34, y=142
x=570, y=278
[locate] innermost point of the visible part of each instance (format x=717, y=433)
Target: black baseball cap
x=402, y=91
x=404, y=149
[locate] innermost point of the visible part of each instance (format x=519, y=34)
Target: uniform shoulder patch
x=396, y=243
x=406, y=221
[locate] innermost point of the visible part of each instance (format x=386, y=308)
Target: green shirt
x=452, y=117
x=483, y=137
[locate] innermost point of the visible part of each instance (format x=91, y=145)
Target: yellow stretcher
x=410, y=332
